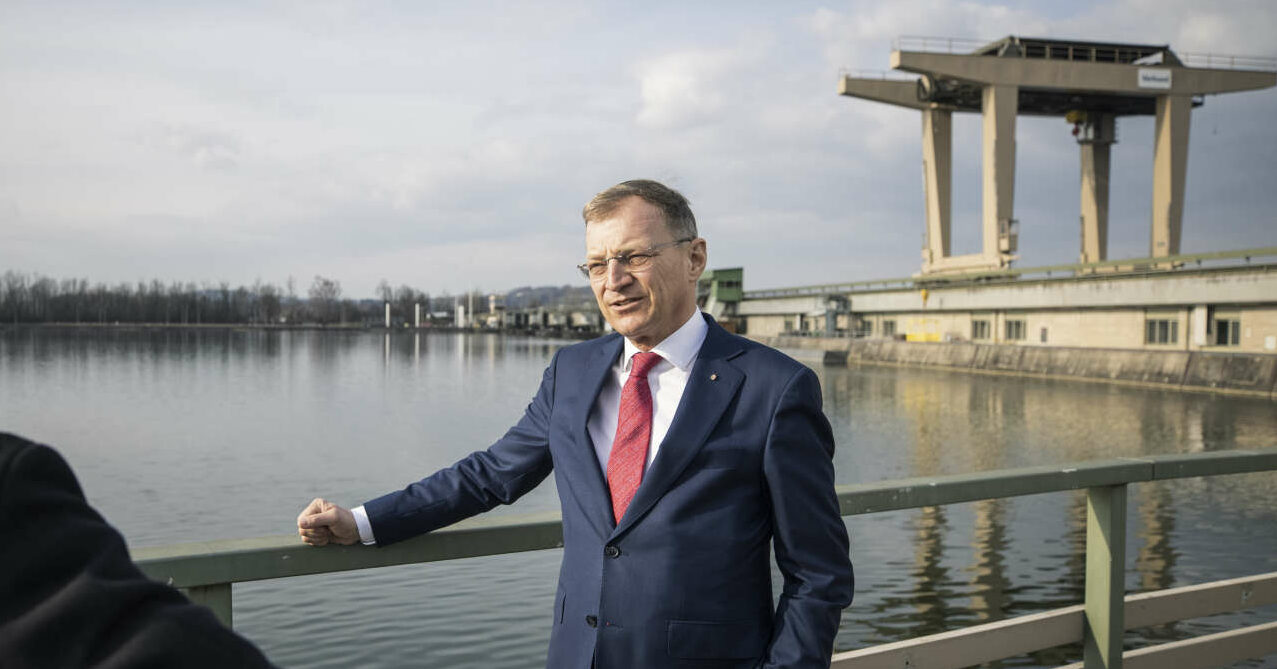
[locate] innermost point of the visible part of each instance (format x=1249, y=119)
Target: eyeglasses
x=634, y=262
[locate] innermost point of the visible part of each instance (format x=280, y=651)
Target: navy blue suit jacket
x=684, y=580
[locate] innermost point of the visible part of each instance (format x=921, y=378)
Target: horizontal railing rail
x=1082, y=52
x=1218, y=61
x=989, y=642
x=958, y=45
x=1160, y=265
x=242, y=560
x=207, y=569
x=884, y=75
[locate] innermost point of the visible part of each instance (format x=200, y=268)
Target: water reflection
x=989, y=582
x=932, y=600
x=922, y=603
x=951, y=423
x=163, y=425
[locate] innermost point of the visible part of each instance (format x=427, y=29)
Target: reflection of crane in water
x=989, y=583
x=939, y=417
x=1000, y=408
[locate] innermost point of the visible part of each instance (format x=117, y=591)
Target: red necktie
x=633, y=433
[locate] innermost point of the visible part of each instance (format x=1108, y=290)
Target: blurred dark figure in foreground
x=70, y=596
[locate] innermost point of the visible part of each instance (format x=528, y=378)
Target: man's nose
x=618, y=273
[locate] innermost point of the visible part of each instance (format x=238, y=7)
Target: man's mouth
x=622, y=303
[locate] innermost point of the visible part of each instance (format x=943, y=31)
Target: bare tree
x=268, y=302
x=406, y=297
x=325, y=295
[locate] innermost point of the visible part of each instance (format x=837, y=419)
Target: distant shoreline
x=345, y=327
x=181, y=326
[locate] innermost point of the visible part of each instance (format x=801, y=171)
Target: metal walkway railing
x=1081, y=51
x=207, y=570
x=1104, y=269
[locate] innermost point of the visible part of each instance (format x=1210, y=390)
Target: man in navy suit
x=675, y=481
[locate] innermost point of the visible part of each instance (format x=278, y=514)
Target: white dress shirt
x=667, y=379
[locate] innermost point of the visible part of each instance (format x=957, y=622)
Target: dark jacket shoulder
x=70, y=596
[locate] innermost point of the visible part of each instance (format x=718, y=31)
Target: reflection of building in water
x=928, y=404
x=1075, y=565
x=926, y=607
x=996, y=411
x=1160, y=431
x=930, y=592
x=1079, y=422
x=960, y=426
x=940, y=413
x=989, y=581
x=1156, y=557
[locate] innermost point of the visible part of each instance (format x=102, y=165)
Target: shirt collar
x=680, y=348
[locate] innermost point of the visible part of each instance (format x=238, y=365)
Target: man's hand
x=323, y=523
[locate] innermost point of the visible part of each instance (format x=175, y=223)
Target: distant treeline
x=31, y=298
x=40, y=299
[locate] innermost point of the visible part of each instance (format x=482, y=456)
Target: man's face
x=646, y=305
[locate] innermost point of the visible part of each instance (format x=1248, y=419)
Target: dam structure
x=1151, y=319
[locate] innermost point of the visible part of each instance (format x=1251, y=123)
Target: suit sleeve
x=812, y=548
x=507, y=470
x=70, y=596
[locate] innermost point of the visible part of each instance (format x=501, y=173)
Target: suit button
x=612, y=551
x=592, y=621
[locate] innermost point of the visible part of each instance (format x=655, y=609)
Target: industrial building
x=1167, y=301
x=1228, y=307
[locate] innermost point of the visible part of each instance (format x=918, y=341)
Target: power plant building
x=1168, y=301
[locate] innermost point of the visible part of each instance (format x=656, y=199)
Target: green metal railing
x=207, y=570
x=1125, y=267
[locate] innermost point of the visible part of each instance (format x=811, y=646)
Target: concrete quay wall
x=1253, y=374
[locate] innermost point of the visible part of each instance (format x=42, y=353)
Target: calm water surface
x=186, y=436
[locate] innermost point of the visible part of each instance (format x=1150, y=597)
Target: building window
x=888, y=328
x=1015, y=330
x=1043, y=335
x=979, y=329
x=1161, y=331
x=1228, y=331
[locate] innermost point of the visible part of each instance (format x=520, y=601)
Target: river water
x=185, y=435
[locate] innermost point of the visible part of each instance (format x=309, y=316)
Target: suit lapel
x=590, y=489
x=710, y=388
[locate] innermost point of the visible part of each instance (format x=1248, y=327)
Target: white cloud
x=203, y=147
x=861, y=38
x=688, y=88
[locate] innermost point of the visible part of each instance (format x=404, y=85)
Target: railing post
x=216, y=597
x=1105, y=577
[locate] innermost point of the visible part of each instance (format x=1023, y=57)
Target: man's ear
x=698, y=257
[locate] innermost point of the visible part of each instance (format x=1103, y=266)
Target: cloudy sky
x=450, y=146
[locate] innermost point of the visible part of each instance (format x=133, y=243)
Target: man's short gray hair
x=678, y=212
